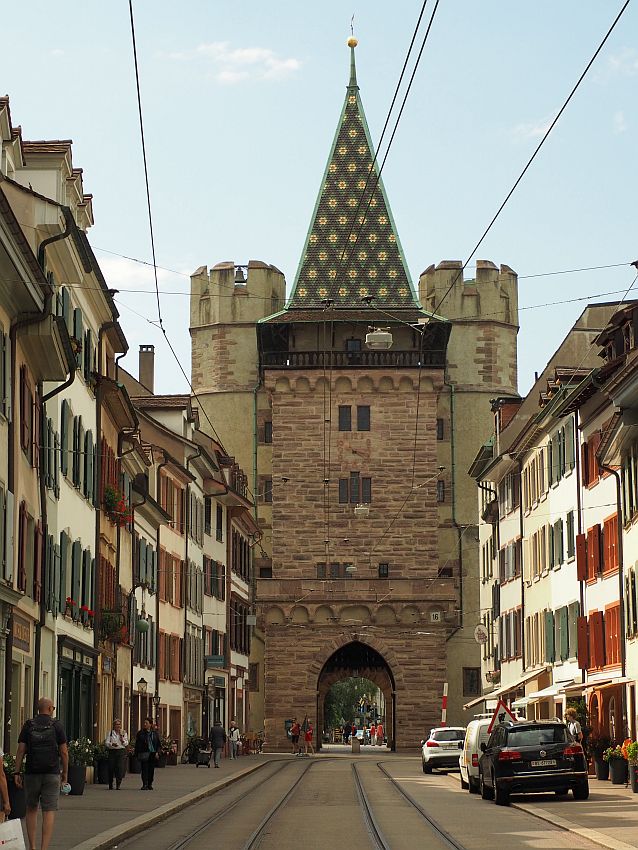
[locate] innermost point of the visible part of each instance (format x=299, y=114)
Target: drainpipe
x=579, y=520
x=457, y=527
x=621, y=590
x=521, y=529
x=186, y=571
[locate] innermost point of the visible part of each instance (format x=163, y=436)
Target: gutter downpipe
x=156, y=695
x=579, y=520
x=521, y=528
x=621, y=590
x=459, y=533
x=186, y=570
x=32, y=320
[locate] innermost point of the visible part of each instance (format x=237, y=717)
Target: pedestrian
x=295, y=731
x=4, y=793
x=234, y=737
x=353, y=730
x=346, y=733
x=147, y=749
x=379, y=734
x=573, y=725
x=373, y=732
x=43, y=741
x=116, y=743
x=217, y=740
x=308, y=739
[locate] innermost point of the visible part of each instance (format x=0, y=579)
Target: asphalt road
x=324, y=811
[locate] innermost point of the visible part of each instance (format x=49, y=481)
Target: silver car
x=443, y=748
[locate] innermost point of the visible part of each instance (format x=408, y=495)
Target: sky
x=241, y=100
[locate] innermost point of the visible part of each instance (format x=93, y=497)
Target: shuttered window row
x=214, y=578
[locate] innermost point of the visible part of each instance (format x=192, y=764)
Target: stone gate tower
x=358, y=454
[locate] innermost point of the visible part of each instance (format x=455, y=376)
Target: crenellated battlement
x=491, y=295
x=235, y=294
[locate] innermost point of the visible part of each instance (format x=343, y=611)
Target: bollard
x=356, y=745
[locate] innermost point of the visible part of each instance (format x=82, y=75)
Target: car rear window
x=532, y=736
x=448, y=735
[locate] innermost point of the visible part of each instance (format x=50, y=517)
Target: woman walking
x=116, y=743
x=147, y=747
x=308, y=739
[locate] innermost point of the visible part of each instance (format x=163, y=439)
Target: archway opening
x=352, y=706
x=362, y=674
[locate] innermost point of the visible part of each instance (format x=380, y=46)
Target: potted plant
x=171, y=755
x=116, y=507
x=162, y=760
x=81, y=753
x=17, y=796
x=631, y=754
x=101, y=762
x=613, y=755
x=597, y=745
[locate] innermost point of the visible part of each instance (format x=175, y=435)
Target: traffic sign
x=481, y=634
x=501, y=712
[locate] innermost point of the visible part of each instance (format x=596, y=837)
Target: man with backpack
x=43, y=741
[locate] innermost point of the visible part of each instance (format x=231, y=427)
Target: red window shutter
x=613, y=542
x=24, y=409
x=22, y=547
x=581, y=557
x=596, y=631
x=37, y=410
x=37, y=562
x=582, y=636
x=596, y=543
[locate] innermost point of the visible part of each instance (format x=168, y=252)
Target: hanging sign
x=481, y=634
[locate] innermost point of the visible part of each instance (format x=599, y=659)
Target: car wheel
x=474, y=785
x=487, y=793
x=427, y=768
x=581, y=791
x=501, y=796
x=464, y=785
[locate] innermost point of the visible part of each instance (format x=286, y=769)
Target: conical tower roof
x=352, y=249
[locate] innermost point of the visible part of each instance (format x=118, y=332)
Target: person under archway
x=308, y=739
x=379, y=734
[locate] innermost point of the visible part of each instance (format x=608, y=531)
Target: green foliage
x=342, y=701
x=81, y=751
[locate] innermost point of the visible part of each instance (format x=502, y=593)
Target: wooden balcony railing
x=351, y=359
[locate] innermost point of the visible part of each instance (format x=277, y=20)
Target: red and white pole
x=444, y=706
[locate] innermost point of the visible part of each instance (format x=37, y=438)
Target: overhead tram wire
x=160, y=321
x=533, y=156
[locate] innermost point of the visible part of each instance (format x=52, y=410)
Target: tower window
x=363, y=417
x=268, y=431
x=440, y=491
x=355, y=490
x=345, y=417
x=384, y=570
x=440, y=429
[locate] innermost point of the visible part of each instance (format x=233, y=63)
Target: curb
x=111, y=837
x=568, y=826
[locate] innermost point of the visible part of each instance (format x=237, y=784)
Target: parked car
x=475, y=735
x=531, y=756
x=442, y=748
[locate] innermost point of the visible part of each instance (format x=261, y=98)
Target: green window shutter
x=76, y=454
x=78, y=333
x=552, y=552
x=86, y=578
x=64, y=437
x=570, y=449
x=56, y=465
x=89, y=485
x=57, y=582
x=81, y=469
x=550, y=462
x=92, y=585
x=66, y=309
x=64, y=559
x=154, y=578
x=3, y=532
x=149, y=567
x=564, y=633
x=88, y=355
x=560, y=543
x=76, y=576
x=549, y=637
x=142, y=561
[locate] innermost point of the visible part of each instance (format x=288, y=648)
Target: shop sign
x=88, y=660
x=67, y=652
x=21, y=634
x=219, y=681
x=213, y=661
x=106, y=664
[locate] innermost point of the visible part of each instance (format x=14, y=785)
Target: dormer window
x=628, y=337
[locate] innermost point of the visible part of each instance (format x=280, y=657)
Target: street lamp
x=142, y=686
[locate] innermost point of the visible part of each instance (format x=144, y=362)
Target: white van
x=475, y=735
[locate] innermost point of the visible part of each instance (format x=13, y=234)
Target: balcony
x=351, y=359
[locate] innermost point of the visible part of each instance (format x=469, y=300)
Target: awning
x=551, y=691
x=506, y=689
x=597, y=683
x=521, y=702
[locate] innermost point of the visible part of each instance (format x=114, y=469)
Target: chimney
x=147, y=367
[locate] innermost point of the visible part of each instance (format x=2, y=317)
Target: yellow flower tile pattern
x=351, y=238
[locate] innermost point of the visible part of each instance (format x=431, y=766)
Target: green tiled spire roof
x=352, y=249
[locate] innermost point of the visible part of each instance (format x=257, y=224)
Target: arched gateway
x=358, y=659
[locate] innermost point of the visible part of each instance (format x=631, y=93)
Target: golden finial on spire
x=352, y=42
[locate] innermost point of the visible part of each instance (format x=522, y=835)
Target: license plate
x=544, y=763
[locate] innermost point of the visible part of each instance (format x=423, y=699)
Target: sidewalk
x=609, y=817
x=81, y=820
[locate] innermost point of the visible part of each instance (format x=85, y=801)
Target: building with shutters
x=549, y=540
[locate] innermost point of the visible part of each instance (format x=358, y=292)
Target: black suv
x=535, y=755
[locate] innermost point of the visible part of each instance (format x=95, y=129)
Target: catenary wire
x=534, y=154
